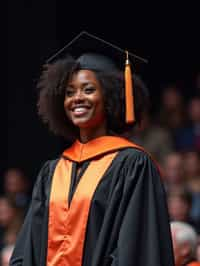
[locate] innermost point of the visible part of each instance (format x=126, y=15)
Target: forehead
x=84, y=76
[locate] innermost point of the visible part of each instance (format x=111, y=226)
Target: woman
x=102, y=202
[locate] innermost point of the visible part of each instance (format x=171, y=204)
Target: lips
x=80, y=110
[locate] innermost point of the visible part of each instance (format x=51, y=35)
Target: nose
x=79, y=96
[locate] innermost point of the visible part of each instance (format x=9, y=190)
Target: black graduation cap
x=86, y=43
x=95, y=53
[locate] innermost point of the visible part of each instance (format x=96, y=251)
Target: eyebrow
x=83, y=84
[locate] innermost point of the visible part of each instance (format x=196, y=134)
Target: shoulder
x=48, y=167
x=139, y=170
x=136, y=153
x=46, y=171
x=138, y=158
x=43, y=179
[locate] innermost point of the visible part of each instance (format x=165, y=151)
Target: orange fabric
x=195, y=263
x=130, y=115
x=80, y=152
x=67, y=224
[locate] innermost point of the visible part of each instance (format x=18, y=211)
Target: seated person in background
x=172, y=114
x=189, y=137
x=173, y=171
x=10, y=222
x=184, y=240
x=192, y=170
x=192, y=176
x=179, y=202
x=17, y=188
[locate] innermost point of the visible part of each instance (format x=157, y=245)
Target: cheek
x=100, y=112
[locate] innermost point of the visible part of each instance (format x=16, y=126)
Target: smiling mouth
x=79, y=111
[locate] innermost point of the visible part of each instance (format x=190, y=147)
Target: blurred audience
x=191, y=167
x=184, y=240
x=188, y=138
x=155, y=139
x=173, y=171
x=179, y=202
x=194, y=116
x=175, y=117
x=172, y=108
x=13, y=205
x=10, y=222
x=17, y=188
x=180, y=172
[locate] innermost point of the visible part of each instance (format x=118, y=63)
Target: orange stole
x=67, y=224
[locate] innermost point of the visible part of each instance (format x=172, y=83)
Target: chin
x=87, y=122
x=81, y=123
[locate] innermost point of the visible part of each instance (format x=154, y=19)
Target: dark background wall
x=166, y=36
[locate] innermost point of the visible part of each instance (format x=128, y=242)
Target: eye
x=69, y=92
x=89, y=90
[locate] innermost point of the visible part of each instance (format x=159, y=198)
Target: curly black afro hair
x=52, y=85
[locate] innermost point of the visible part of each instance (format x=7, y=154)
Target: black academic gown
x=128, y=222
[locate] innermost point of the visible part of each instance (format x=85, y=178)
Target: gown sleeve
x=24, y=244
x=144, y=237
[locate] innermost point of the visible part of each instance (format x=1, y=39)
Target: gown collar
x=80, y=152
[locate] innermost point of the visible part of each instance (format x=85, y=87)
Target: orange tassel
x=130, y=114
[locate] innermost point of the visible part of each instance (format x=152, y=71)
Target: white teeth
x=79, y=109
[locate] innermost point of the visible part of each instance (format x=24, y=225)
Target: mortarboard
x=97, y=54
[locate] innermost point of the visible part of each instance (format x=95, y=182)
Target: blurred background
x=167, y=36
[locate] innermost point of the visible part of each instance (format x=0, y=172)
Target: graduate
x=102, y=202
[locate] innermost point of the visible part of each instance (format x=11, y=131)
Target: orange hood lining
x=80, y=152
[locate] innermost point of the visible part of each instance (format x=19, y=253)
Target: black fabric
x=96, y=53
x=75, y=178
x=96, y=62
x=128, y=222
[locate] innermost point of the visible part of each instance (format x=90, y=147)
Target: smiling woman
x=54, y=87
x=102, y=202
x=84, y=105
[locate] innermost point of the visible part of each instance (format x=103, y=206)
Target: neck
x=87, y=134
